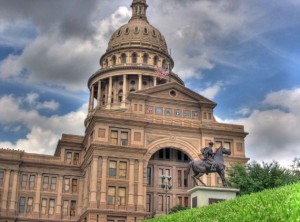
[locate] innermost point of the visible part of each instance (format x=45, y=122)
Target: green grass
x=281, y=204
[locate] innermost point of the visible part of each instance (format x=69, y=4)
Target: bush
x=177, y=208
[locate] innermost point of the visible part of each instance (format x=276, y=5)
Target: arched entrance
x=173, y=162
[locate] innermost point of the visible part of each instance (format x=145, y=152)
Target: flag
x=163, y=73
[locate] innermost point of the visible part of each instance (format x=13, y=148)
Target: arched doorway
x=168, y=161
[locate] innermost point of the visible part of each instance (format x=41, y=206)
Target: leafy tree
x=255, y=177
x=177, y=208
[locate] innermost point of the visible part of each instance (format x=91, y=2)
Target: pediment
x=174, y=91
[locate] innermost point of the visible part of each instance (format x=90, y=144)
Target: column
x=91, y=103
x=109, y=92
x=93, y=184
x=131, y=186
x=86, y=189
x=5, y=190
x=140, y=82
x=140, y=200
x=99, y=94
x=59, y=197
x=154, y=80
x=80, y=191
x=103, y=183
x=124, y=91
x=37, y=195
x=14, y=191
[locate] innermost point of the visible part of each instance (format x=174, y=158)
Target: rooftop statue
x=211, y=163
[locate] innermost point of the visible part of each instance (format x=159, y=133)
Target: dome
x=138, y=32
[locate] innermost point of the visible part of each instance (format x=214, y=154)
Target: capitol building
x=142, y=123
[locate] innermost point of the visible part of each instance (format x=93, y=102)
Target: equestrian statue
x=211, y=163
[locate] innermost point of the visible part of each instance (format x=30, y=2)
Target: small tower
x=139, y=8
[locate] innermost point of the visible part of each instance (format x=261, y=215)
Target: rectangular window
x=53, y=183
x=51, y=206
x=122, y=196
x=31, y=181
x=24, y=179
x=111, y=195
x=22, y=205
x=69, y=158
x=180, y=201
x=179, y=178
x=29, y=205
x=65, y=208
x=74, y=185
x=73, y=208
x=67, y=184
x=186, y=201
x=123, y=169
x=185, y=180
x=44, y=206
x=76, y=159
x=149, y=175
x=112, y=168
x=124, y=138
x=161, y=202
x=114, y=137
x=1, y=177
x=45, y=182
x=148, y=203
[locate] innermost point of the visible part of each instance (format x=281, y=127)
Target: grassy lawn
x=281, y=204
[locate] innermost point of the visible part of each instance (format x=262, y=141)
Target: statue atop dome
x=139, y=8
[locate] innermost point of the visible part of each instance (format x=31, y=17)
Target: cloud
x=44, y=132
x=274, y=132
x=32, y=100
x=211, y=91
x=10, y=67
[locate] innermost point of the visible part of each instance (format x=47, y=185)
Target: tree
x=255, y=177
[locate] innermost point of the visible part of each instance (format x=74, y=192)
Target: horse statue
x=200, y=167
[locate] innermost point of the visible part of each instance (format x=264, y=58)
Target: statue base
x=203, y=196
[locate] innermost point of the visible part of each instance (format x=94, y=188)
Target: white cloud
x=211, y=91
x=273, y=133
x=32, y=100
x=10, y=67
x=244, y=111
x=44, y=131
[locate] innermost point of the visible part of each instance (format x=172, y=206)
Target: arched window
x=120, y=96
x=155, y=60
x=145, y=58
x=114, y=60
x=132, y=90
x=164, y=64
x=106, y=62
x=123, y=58
x=134, y=57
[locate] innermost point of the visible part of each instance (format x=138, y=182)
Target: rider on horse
x=209, y=156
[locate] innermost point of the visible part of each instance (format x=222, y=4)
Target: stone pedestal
x=203, y=196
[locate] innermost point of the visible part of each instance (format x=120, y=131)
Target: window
x=45, y=182
x=51, y=206
x=112, y=168
x=114, y=60
x=155, y=60
x=149, y=175
x=120, y=95
x=53, y=183
x=185, y=180
x=65, y=207
x=31, y=181
x=123, y=58
x=44, y=206
x=69, y=158
x=111, y=195
x=76, y=159
x=160, y=202
x=148, y=203
x=145, y=58
x=123, y=169
x=73, y=208
x=179, y=178
x=168, y=153
x=134, y=57
x=186, y=201
x=122, y=196
x=29, y=205
x=22, y=205
x=67, y=184
x=119, y=137
x=24, y=179
x=1, y=177
x=74, y=185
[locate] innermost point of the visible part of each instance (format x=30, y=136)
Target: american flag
x=163, y=73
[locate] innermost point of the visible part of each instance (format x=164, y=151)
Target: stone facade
x=139, y=127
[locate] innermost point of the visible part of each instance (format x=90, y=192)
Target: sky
x=244, y=55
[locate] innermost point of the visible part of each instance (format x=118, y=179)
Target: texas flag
x=163, y=73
